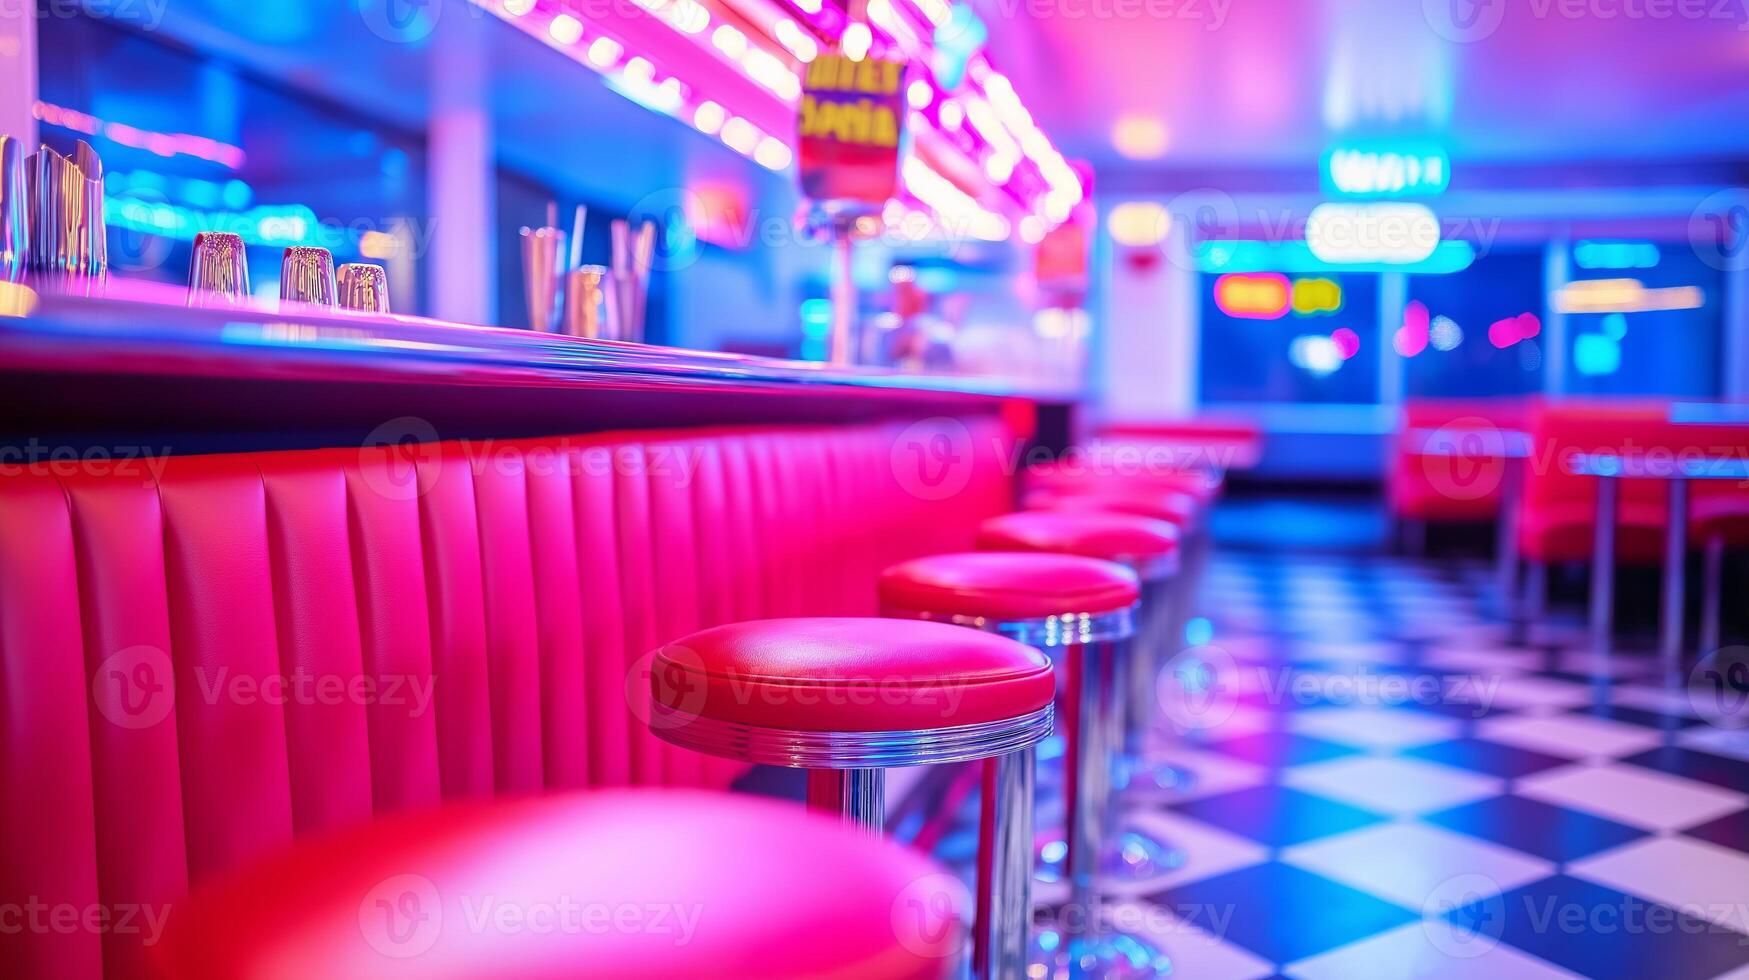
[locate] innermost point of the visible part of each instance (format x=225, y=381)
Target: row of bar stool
x=1074, y=579
x=1071, y=603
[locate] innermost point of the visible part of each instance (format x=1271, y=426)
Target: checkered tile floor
x=1381, y=785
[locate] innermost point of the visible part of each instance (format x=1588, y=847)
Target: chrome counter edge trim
x=851, y=750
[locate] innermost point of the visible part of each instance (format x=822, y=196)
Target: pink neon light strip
x=163, y=144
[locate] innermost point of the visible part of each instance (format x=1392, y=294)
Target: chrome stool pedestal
x=1090, y=651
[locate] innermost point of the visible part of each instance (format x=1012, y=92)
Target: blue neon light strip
x=274, y=225
x=1606, y=254
x=1297, y=258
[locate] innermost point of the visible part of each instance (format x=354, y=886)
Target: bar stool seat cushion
x=1075, y=476
x=1008, y=586
x=1174, y=507
x=615, y=883
x=1723, y=512
x=1140, y=542
x=849, y=675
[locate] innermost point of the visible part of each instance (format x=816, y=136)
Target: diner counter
x=103, y=363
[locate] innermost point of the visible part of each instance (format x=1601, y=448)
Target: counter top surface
x=128, y=336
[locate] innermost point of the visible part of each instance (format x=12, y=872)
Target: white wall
x=1145, y=357
x=461, y=185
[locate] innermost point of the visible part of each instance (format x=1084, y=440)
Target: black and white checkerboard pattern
x=1383, y=785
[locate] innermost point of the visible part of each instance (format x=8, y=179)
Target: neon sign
x=852, y=112
x=1347, y=342
x=1225, y=255
x=1253, y=296
x=1315, y=354
x=1412, y=337
x=1505, y=333
x=1625, y=296
x=1385, y=171
x=1387, y=233
x=1138, y=224
x=1314, y=296
x=1615, y=255
x=968, y=112
x=1596, y=354
x=162, y=144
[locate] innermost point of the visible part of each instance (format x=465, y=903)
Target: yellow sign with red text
x=851, y=126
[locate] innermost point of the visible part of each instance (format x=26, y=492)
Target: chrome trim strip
x=1005, y=860
x=850, y=750
x=858, y=797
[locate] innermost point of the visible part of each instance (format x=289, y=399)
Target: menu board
x=852, y=122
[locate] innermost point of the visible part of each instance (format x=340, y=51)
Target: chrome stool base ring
x=1099, y=954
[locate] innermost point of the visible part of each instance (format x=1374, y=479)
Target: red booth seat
x=1719, y=509
x=1435, y=488
x=1558, y=521
x=201, y=663
x=1716, y=508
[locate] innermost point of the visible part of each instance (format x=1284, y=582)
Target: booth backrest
x=1559, y=505
x=202, y=660
x=1506, y=412
x=1558, y=430
x=1421, y=487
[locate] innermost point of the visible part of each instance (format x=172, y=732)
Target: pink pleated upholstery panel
x=48, y=839
x=199, y=663
x=449, y=525
x=604, y=629
x=513, y=661
x=142, y=858
x=320, y=649
x=224, y=639
x=557, y=569
x=388, y=569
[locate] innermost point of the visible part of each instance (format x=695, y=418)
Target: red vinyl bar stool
x=1080, y=476
x=1180, y=497
x=847, y=699
x=1084, y=608
x=1166, y=605
x=617, y=883
x=1151, y=548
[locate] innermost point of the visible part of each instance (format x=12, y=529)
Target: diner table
x=1679, y=470
x=1509, y=446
